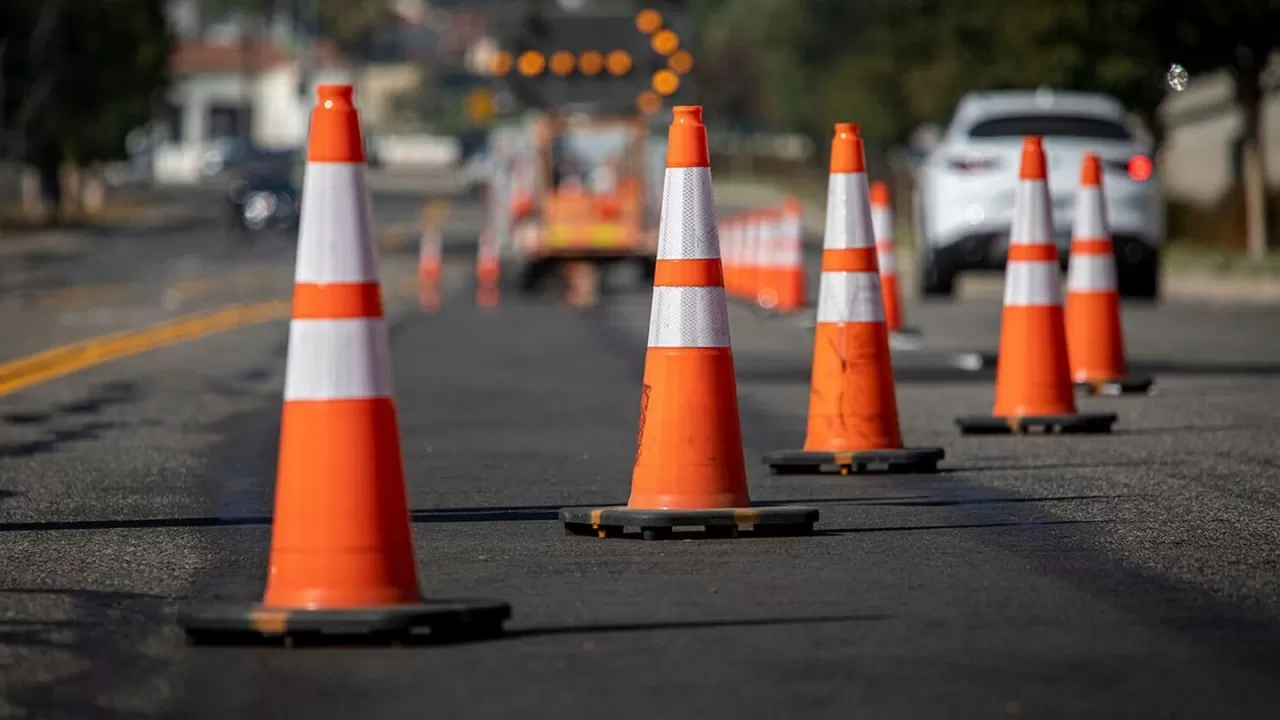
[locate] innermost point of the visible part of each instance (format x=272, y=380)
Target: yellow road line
x=67, y=359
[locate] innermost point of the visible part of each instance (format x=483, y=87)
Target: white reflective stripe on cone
x=753, y=243
x=1091, y=273
x=888, y=261
x=882, y=224
x=346, y=359
x=792, y=255
x=1091, y=219
x=848, y=223
x=850, y=297
x=794, y=227
x=687, y=229
x=486, y=245
x=1035, y=283
x=1032, y=224
x=774, y=252
x=335, y=234
x=431, y=245
x=688, y=317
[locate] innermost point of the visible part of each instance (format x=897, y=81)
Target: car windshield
x=1050, y=126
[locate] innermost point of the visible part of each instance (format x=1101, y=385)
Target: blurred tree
x=893, y=64
x=78, y=77
x=1241, y=36
x=350, y=23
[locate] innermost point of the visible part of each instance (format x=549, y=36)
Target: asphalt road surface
x=1131, y=576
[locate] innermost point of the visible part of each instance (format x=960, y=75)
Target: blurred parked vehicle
x=266, y=197
x=964, y=194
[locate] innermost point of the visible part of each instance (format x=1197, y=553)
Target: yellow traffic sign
x=480, y=105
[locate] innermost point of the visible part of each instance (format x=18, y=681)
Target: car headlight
x=259, y=207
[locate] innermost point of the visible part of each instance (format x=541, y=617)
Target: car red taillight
x=1140, y=167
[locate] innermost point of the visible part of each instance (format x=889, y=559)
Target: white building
x=221, y=90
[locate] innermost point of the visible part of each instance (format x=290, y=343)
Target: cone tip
x=1032, y=158
x=846, y=149
x=686, y=115
x=687, y=138
x=335, y=135
x=1091, y=172
x=879, y=193
x=334, y=92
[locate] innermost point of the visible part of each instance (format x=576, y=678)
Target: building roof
x=203, y=57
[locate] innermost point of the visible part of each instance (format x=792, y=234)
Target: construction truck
x=576, y=181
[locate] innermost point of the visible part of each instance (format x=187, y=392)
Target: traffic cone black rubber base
x=1132, y=385
x=902, y=460
x=765, y=521
x=1047, y=424
x=245, y=624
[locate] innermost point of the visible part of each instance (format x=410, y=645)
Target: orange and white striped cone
x=488, y=269
x=732, y=239
x=724, y=232
x=790, y=278
x=741, y=256
x=766, y=297
x=853, y=407
x=689, y=468
x=887, y=255
x=342, y=559
x=1033, y=377
x=751, y=251
x=1095, y=334
x=430, y=267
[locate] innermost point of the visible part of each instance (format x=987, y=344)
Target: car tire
x=1140, y=281
x=937, y=279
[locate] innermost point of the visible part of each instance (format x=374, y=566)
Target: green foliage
x=79, y=76
x=893, y=64
x=348, y=22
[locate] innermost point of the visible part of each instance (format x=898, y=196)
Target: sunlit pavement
x=1126, y=575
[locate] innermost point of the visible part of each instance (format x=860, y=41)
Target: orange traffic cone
x=1095, y=336
x=1033, y=379
x=790, y=280
x=752, y=252
x=853, y=408
x=732, y=238
x=766, y=296
x=689, y=467
x=488, y=269
x=342, y=560
x=887, y=256
x=725, y=233
x=430, y=266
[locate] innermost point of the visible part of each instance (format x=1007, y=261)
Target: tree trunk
x=49, y=167
x=1252, y=171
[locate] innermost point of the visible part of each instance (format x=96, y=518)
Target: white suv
x=964, y=194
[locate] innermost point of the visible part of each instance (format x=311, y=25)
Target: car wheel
x=1140, y=281
x=937, y=279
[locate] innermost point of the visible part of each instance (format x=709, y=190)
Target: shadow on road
x=956, y=526
x=107, y=627
x=450, y=515
x=984, y=364
x=99, y=399
x=609, y=628
x=54, y=441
